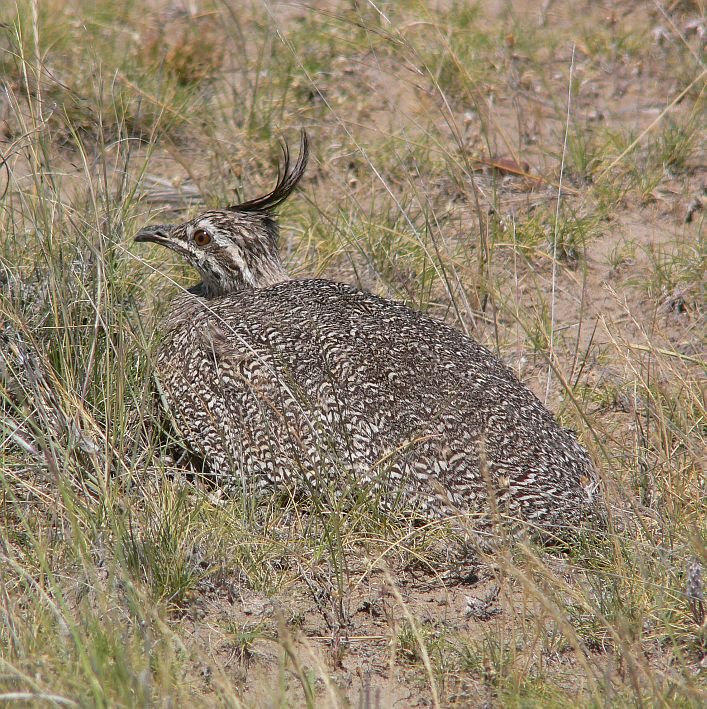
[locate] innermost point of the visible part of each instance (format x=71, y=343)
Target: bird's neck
x=264, y=274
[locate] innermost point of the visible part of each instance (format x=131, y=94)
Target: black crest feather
x=287, y=180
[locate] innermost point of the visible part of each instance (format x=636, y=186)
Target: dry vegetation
x=441, y=135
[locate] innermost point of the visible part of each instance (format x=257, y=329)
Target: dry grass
x=121, y=583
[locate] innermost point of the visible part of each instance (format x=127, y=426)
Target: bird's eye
x=202, y=237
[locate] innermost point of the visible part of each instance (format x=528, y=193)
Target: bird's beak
x=156, y=233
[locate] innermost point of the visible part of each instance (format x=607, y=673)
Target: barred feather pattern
x=312, y=380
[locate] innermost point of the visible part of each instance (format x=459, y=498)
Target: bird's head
x=236, y=247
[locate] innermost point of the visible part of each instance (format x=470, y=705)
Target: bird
x=276, y=381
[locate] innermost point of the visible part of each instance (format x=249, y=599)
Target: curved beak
x=156, y=233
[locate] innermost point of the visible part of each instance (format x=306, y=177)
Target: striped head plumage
x=236, y=247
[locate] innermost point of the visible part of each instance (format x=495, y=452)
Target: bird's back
x=313, y=381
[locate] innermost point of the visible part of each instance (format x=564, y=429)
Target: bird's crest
x=287, y=180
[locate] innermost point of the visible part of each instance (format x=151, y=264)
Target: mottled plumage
x=273, y=380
